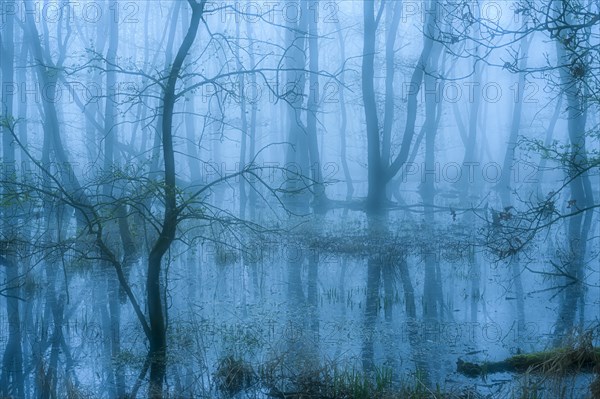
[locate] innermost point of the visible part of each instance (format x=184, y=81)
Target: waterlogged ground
x=289, y=304
x=304, y=297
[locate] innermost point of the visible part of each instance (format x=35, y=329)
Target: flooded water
x=305, y=301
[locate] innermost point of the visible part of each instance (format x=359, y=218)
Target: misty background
x=300, y=197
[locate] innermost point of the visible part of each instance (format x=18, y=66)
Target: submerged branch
x=552, y=362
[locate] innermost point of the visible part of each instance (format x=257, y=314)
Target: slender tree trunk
x=244, y=127
x=377, y=183
x=191, y=138
x=580, y=186
x=395, y=10
x=171, y=28
x=115, y=371
x=505, y=184
x=319, y=198
x=547, y=142
x=509, y=155
x=430, y=34
x=158, y=341
x=297, y=155
x=11, y=377
x=252, y=196
x=432, y=286
x=344, y=117
x=142, y=109
x=26, y=230
x=466, y=186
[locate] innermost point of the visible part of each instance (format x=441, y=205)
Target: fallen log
x=552, y=361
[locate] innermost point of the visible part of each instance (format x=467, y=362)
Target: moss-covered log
x=553, y=361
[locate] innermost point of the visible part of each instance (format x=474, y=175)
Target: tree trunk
x=252, y=196
x=319, y=198
x=379, y=173
x=344, y=118
x=580, y=186
x=390, y=68
x=377, y=183
x=505, y=184
x=297, y=155
x=11, y=378
x=556, y=361
x=158, y=342
x=432, y=305
x=244, y=127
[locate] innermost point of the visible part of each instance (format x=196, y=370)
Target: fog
x=300, y=199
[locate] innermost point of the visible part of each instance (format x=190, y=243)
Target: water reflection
x=410, y=307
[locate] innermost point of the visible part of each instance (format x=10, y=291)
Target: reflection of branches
x=560, y=270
